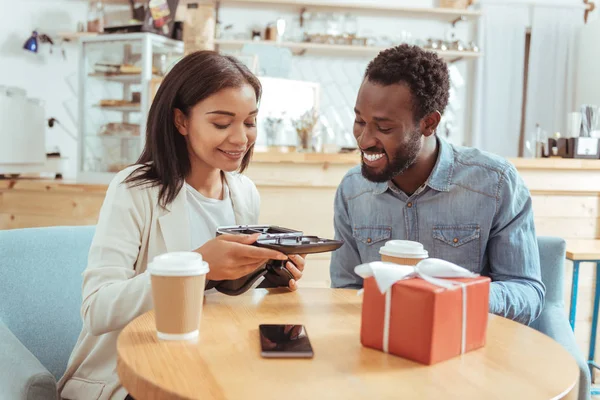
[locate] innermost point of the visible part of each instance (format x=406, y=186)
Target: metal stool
x=579, y=251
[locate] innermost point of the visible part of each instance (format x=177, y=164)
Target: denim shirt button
x=409, y=205
x=369, y=240
x=455, y=240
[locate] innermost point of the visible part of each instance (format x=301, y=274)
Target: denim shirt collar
x=442, y=171
x=444, y=167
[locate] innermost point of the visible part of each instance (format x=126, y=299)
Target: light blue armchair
x=40, y=299
x=553, y=320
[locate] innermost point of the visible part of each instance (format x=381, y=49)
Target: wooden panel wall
x=32, y=203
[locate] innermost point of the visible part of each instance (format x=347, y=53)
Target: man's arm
x=344, y=259
x=517, y=291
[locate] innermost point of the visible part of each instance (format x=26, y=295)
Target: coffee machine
x=23, y=136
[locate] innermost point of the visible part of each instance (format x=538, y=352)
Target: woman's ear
x=180, y=121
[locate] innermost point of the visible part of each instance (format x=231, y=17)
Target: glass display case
x=118, y=77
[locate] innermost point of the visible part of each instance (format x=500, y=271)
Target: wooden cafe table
x=517, y=362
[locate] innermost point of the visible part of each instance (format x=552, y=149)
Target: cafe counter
x=560, y=188
x=297, y=190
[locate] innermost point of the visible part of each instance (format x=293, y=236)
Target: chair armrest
x=23, y=377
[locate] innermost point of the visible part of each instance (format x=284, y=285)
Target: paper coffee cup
x=178, y=281
x=404, y=252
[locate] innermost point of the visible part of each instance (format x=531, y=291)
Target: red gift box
x=421, y=320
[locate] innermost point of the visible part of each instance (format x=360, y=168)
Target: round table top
x=225, y=363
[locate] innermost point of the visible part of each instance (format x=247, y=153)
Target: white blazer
x=132, y=228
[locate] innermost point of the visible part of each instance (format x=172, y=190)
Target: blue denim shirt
x=474, y=210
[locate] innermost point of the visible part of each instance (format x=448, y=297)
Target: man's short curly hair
x=425, y=73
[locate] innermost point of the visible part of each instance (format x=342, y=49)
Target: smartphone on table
x=284, y=341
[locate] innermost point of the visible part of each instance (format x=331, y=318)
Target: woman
x=201, y=128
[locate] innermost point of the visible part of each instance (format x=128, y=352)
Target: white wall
x=340, y=75
x=588, y=66
x=54, y=80
x=548, y=110
x=46, y=76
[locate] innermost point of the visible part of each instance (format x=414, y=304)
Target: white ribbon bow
x=386, y=274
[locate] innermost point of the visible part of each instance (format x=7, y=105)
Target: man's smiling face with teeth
x=385, y=131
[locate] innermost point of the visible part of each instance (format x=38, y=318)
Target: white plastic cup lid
x=182, y=263
x=403, y=248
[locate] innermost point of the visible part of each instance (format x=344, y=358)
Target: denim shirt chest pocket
x=459, y=244
x=369, y=239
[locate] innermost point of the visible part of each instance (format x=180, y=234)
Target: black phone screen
x=282, y=341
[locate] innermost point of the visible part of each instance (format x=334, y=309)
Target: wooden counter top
x=51, y=185
x=555, y=163
x=306, y=158
x=353, y=159
x=312, y=161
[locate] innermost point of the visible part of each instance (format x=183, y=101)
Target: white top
x=206, y=214
x=133, y=228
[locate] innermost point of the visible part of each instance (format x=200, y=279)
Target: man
x=463, y=205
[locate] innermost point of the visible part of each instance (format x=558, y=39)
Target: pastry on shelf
x=112, y=103
x=120, y=69
x=108, y=103
x=120, y=129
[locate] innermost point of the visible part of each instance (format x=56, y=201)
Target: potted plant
x=305, y=126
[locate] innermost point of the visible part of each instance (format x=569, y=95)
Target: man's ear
x=429, y=123
x=180, y=121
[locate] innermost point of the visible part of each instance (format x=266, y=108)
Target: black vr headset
x=286, y=241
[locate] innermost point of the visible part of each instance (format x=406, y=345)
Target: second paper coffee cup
x=178, y=281
x=404, y=252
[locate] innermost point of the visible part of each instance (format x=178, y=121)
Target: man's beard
x=405, y=157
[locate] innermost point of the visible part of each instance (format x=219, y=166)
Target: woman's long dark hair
x=165, y=161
